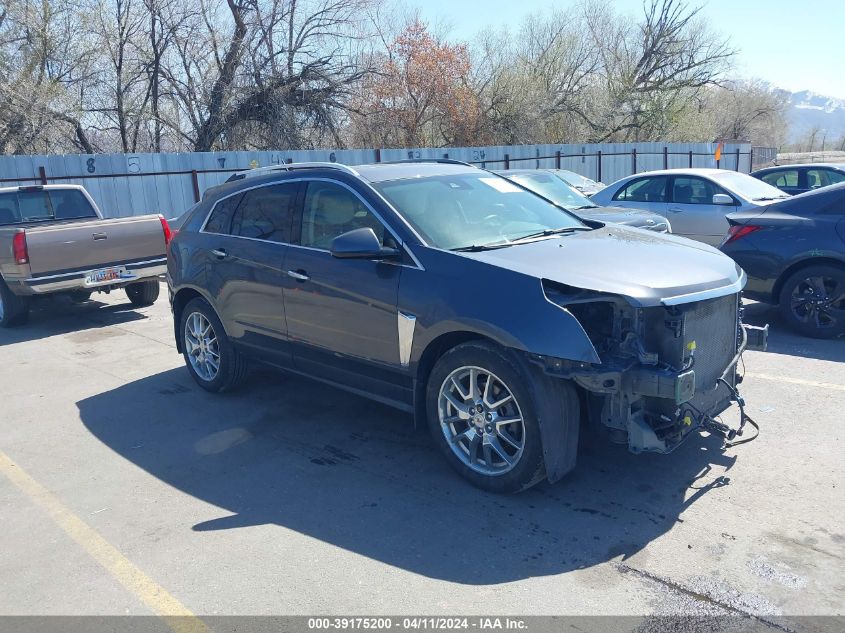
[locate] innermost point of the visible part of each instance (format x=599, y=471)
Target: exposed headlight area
x=661, y=367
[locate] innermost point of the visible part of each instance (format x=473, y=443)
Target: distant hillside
x=809, y=110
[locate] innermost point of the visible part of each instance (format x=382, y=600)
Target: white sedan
x=696, y=201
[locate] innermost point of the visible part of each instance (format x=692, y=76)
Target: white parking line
x=796, y=381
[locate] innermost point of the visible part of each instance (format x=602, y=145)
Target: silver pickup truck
x=53, y=239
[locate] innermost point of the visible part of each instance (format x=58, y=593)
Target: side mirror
x=722, y=198
x=360, y=244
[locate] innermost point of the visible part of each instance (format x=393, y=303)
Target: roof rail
x=258, y=171
x=448, y=161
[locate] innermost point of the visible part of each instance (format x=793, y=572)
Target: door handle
x=299, y=275
x=100, y=236
x=219, y=253
x=674, y=210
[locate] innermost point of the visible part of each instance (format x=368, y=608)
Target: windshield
x=577, y=180
x=42, y=205
x=464, y=210
x=553, y=188
x=748, y=187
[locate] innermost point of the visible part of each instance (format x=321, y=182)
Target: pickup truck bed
x=53, y=239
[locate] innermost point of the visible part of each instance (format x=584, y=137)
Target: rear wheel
x=143, y=293
x=483, y=417
x=210, y=356
x=812, y=301
x=14, y=310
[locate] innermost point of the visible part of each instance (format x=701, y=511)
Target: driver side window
x=331, y=210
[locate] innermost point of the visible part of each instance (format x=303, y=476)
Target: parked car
x=558, y=191
x=794, y=254
x=54, y=240
x=452, y=293
x=794, y=179
x=696, y=201
x=583, y=184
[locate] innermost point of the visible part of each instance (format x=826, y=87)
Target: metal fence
x=134, y=184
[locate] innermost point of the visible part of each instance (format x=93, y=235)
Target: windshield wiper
x=765, y=198
x=586, y=206
x=547, y=232
x=477, y=248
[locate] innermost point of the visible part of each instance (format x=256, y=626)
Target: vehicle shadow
x=356, y=474
x=783, y=340
x=51, y=316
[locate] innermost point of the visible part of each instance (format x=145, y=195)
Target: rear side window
x=266, y=213
x=331, y=210
x=823, y=177
x=221, y=218
x=779, y=179
x=643, y=190
x=43, y=206
x=691, y=190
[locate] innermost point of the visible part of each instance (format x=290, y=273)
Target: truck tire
x=212, y=360
x=14, y=310
x=143, y=293
x=484, y=416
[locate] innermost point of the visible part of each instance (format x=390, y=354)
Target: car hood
x=628, y=217
x=646, y=268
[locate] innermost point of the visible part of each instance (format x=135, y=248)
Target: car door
x=342, y=313
x=648, y=193
x=247, y=246
x=692, y=212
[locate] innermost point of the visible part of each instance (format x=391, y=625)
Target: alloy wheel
x=202, y=346
x=819, y=301
x=481, y=420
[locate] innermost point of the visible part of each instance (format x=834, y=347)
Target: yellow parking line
x=796, y=381
x=177, y=615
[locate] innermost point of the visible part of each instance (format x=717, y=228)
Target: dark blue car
x=495, y=317
x=794, y=254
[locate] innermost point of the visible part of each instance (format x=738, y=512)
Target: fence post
x=196, y=183
x=378, y=155
x=446, y=155
x=507, y=161
x=42, y=173
x=665, y=157
x=751, y=160
x=737, y=159
x=634, y=161
x=690, y=159
x=557, y=159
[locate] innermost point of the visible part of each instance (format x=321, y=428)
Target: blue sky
x=796, y=45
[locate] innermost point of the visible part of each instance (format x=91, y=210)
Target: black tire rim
x=819, y=301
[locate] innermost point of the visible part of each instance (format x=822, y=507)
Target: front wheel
x=143, y=293
x=211, y=358
x=812, y=301
x=483, y=417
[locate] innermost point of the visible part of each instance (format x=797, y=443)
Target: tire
x=14, y=310
x=481, y=361
x=143, y=293
x=80, y=296
x=812, y=301
x=231, y=365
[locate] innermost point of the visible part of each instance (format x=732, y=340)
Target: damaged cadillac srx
x=498, y=319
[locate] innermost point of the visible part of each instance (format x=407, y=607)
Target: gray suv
x=498, y=319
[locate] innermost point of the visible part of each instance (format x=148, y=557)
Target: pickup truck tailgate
x=94, y=244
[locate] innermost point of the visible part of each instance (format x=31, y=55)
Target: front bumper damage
x=664, y=370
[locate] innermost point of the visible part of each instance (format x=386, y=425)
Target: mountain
x=809, y=110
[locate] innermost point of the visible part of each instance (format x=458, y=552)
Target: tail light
x=19, y=250
x=165, y=227
x=738, y=231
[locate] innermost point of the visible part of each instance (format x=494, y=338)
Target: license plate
x=107, y=275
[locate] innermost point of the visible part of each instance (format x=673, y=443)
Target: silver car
x=583, y=184
x=696, y=201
